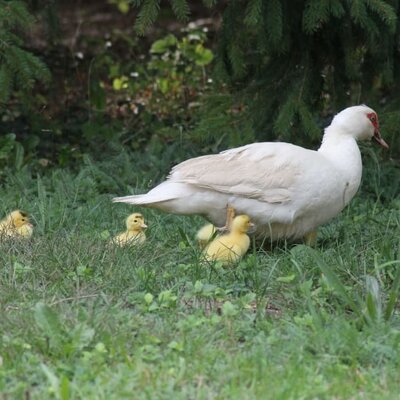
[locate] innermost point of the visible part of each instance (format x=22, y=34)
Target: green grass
x=81, y=320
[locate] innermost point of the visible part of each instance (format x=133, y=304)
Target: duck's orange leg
x=230, y=215
x=311, y=238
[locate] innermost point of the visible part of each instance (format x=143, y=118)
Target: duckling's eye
x=135, y=220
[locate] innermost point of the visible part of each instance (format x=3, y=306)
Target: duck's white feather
x=286, y=190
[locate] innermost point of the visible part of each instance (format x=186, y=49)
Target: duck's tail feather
x=141, y=199
x=135, y=199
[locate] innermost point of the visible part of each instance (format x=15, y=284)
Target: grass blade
x=373, y=299
x=336, y=284
x=393, y=296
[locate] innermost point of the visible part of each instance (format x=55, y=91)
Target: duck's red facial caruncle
x=377, y=135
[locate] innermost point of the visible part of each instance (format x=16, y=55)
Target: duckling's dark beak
x=378, y=138
x=252, y=228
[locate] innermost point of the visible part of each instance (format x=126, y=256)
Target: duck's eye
x=135, y=220
x=373, y=119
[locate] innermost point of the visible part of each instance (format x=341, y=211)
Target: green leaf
x=174, y=345
x=64, y=388
x=286, y=279
x=162, y=45
x=48, y=321
x=198, y=287
x=148, y=298
x=97, y=94
x=81, y=336
x=105, y=234
x=7, y=143
x=203, y=56
x=19, y=156
x=229, y=310
x=52, y=378
x=163, y=85
x=120, y=83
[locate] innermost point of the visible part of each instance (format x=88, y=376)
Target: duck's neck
x=342, y=150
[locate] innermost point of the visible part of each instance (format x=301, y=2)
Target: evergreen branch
x=315, y=14
x=353, y=60
x=336, y=8
x=274, y=22
x=6, y=82
x=136, y=3
x=237, y=59
x=24, y=20
x=311, y=129
x=8, y=39
x=181, y=9
x=147, y=15
x=38, y=68
x=359, y=14
x=6, y=13
x=385, y=11
x=283, y=121
x=210, y=3
x=253, y=13
x=24, y=68
x=14, y=14
x=23, y=76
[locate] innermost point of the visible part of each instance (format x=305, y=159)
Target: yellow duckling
x=231, y=247
x=134, y=234
x=205, y=234
x=16, y=224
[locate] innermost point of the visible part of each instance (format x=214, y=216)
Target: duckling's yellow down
x=16, y=224
x=134, y=234
x=205, y=234
x=231, y=247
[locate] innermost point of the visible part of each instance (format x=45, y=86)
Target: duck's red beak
x=377, y=134
x=378, y=138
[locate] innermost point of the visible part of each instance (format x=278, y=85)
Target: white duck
x=287, y=190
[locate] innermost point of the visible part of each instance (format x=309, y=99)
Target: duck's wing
x=263, y=171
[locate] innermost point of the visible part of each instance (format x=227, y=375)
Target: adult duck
x=287, y=190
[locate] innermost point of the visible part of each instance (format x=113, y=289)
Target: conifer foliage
x=296, y=59
x=19, y=68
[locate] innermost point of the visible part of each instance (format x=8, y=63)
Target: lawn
x=83, y=320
